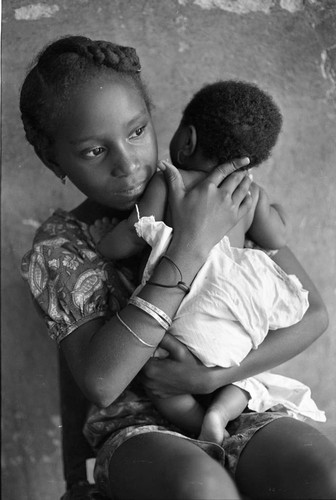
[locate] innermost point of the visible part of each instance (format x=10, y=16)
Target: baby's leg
x=183, y=411
x=228, y=404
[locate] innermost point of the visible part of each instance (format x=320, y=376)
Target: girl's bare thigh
x=162, y=466
x=287, y=459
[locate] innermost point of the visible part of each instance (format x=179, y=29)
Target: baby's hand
x=102, y=227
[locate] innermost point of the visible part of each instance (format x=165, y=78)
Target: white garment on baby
x=236, y=297
x=277, y=392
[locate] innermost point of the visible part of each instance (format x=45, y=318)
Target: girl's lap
x=284, y=459
x=127, y=443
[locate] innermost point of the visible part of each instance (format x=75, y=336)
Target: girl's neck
x=89, y=211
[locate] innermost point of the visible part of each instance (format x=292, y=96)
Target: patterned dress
x=71, y=284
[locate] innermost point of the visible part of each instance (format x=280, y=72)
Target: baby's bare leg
x=227, y=405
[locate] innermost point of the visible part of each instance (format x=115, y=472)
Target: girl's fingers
x=245, y=205
x=175, y=348
x=242, y=190
x=218, y=175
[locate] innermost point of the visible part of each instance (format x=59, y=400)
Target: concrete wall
x=286, y=46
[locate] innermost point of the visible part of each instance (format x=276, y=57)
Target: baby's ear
x=190, y=142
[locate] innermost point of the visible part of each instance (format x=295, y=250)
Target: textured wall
x=289, y=48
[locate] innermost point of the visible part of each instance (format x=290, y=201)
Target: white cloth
x=236, y=297
x=272, y=391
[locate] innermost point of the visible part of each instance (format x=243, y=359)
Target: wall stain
x=321, y=15
x=246, y=6
x=328, y=73
x=31, y=222
x=35, y=11
x=291, y=5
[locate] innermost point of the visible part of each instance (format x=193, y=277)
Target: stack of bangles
x=160, y=316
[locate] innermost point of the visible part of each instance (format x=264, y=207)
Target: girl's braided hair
x=234, y=119
x=59, y=69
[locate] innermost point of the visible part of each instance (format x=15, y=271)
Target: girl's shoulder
x=70, y=282
x=61, y=226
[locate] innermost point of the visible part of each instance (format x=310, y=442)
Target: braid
x=120, y=58
x=101, y=53
x=33, y=88
x=58, y=69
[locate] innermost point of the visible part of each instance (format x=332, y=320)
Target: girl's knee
x=288, y=459
x=323, y=477
x=204, y=480
x=161, y=466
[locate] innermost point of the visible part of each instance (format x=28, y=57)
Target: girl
x=87, y=115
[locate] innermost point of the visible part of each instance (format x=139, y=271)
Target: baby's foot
x=101, y=227
x=213, y=427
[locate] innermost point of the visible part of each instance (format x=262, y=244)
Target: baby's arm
x=269, y=226
x=122, y=241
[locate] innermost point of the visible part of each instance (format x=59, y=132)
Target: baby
x=240, y=293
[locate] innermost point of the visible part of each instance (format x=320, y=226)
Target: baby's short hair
x=234, y=119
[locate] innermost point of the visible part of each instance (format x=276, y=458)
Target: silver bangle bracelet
x=134, y=334
x=160, y=316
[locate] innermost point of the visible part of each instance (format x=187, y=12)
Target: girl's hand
x=179, y=373
x=205, y=213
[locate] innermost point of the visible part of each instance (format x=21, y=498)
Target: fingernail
x=240, y=163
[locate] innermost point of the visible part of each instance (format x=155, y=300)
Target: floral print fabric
x=70, y=281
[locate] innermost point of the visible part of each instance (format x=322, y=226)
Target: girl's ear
x=190, y=141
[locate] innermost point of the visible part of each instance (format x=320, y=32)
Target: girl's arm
x=104, y=357
x=269, y=228
x=183, y=373
x=122, y=241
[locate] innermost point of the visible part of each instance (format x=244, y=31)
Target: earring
x=179, y=159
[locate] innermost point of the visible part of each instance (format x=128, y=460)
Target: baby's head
x=223, y=121
x=60, y=70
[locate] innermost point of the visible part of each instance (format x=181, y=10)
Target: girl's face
x=106, y=143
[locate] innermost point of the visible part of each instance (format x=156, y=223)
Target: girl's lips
x=129, y=193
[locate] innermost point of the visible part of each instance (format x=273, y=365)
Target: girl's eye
x=138, y=132
x=94, y=152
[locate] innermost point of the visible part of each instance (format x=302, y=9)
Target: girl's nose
x=123, y=164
